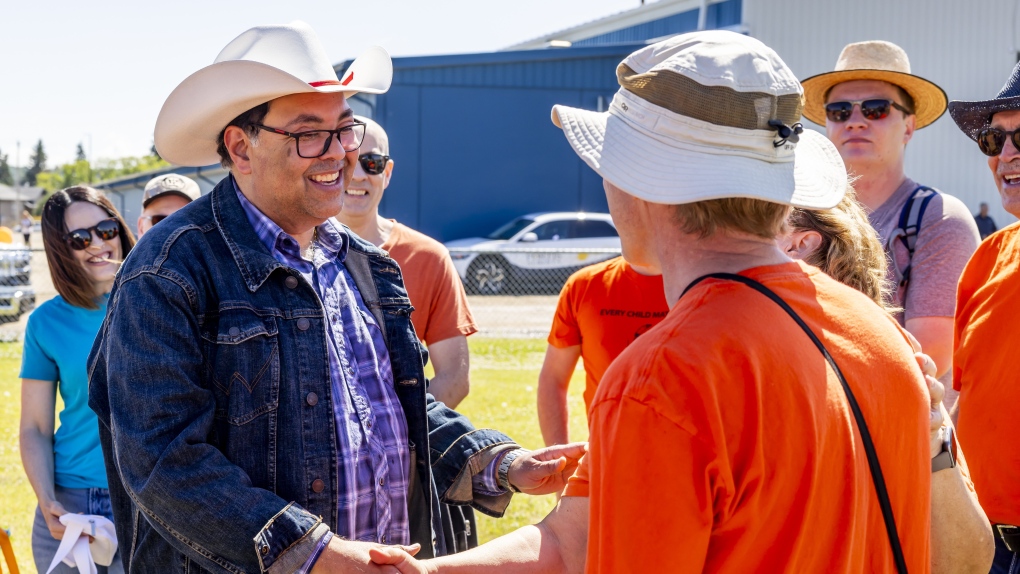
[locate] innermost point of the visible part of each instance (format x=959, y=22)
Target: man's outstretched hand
x=546, y=470
x=393, y=560
x=351, y=556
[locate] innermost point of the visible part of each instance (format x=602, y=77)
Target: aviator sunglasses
x=373, y=163
x=871, y=109
x=80, y=239
x=991, y=140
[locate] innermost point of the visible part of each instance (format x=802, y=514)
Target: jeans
x=1005, y=562
x=75, y=500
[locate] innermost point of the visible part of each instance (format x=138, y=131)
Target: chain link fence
x=24, y=283
x=513, y=291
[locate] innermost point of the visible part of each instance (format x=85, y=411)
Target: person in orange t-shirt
x=441, y=317
x=724, y=442
x=602, y=309
x=986, y=337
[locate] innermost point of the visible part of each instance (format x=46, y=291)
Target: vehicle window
x=511, y=229
x=592, y=228
x=554, y=231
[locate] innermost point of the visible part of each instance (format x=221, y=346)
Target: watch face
x=951, y=439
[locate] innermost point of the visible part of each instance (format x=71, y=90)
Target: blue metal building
x=470, y=134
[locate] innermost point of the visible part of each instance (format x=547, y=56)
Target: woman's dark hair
x=69, y=278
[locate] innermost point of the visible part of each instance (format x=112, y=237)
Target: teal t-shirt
x=58, y=340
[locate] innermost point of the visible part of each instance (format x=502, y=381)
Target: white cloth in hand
x=75, y=549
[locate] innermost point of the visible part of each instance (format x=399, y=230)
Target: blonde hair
x=752, y=216
x=850, y=251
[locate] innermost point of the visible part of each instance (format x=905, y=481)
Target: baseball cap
x=171, y=183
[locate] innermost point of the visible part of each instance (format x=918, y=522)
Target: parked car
x=535, y=252
x=16, y=295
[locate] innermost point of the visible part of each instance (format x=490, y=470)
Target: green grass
x=504, y=378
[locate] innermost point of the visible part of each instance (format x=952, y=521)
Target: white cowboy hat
x=707, y=115
x=262, y=64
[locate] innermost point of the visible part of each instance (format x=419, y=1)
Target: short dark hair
x=68, y=276
x=244, y=121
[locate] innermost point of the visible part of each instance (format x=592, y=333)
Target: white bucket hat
x=262, y=64
x=703, y=116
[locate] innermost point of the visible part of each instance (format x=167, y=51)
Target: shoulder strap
x=869, y=446
x=911, y=216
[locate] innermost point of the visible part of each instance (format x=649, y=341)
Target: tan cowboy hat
x=262, y=64
x=875, y=60
x=707, y=115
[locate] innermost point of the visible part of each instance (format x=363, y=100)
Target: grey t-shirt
x=947, y=239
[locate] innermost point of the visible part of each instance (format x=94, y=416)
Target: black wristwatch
x=946, y=458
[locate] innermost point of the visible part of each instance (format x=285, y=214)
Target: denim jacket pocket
x=244, y=349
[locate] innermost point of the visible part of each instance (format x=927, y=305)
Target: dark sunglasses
x=871, y=109
x=80, y=239
x=154, y=219
x=991, y=140
x=373, y=163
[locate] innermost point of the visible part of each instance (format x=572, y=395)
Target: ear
x=139, y=226
x=908, y=133
x=387, y=174
x=803, y=243
x=238, y=146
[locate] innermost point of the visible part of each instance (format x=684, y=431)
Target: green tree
x=5, y=171
x=37, y=164
x=79, y=155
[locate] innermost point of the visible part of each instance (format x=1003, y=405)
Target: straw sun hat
x=875, y=60
x=707, y=115
x=262, y=64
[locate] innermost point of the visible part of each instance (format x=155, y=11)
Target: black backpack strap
x=911, y=216
x=869, y=445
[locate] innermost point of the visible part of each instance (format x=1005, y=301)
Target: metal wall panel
x=719, y=15
x=968, y=49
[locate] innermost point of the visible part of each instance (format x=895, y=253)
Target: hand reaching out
x=546, y=470
x=936, y=392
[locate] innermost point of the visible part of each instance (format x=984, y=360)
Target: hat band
x=324, y=83
x=681, y=131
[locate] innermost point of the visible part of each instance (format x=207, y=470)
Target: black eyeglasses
x=871, y=109
x=991, y=140
x=373, y=163
x=80, y=239
x=315, y=143
x=154, y=219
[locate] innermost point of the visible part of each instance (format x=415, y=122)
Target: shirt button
x=382, y=482
x=290, y=282
x=312, y=399
x=368, y=424
x=234, y=331
x=303, y=324
x=318, y=485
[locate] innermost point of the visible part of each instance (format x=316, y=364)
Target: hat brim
x=658, y=171
x=929, y=100
x=972, y=117
x=203, y=104
x=164, y=194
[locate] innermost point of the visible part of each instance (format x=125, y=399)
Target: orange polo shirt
x=984, y=371
x=723, y=442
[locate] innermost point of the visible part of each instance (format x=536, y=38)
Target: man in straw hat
x=723, y=440
x=984, y=364
x=258, y=381
x=870, y=106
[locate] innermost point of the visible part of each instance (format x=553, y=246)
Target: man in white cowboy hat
x=871, y=105
x=715, y=441
x=258, y=381
x=987, y=339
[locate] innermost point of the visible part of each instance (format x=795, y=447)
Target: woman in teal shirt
x=85, y=240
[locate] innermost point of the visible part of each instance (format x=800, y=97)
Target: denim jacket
x=210, y=380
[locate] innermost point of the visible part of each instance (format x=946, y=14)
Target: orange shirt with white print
x=724, y=442
x=984, y=371
x=603, y=308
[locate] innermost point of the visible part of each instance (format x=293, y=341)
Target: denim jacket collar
x=253, y=260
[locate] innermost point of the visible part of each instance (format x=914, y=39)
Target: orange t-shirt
x=723, y=442
x=984, y=371
x=440, y=305
x=603, y=308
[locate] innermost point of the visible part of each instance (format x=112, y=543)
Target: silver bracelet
x=503, y=473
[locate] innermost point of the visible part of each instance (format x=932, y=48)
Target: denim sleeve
x=146, y=387
x=459, y=452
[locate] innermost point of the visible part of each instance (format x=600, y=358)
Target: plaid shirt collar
x=331, y=236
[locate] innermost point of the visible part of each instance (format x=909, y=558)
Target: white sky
x=98, y=72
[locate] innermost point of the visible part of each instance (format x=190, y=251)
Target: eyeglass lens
x=991, y=140
x=871, y=109
x=80, y=239
x=373, y=163
x=316, y=143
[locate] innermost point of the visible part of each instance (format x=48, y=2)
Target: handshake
x=537, y=472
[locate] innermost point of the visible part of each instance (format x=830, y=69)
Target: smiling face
x=863, y=143
x=366, y=190
x=1006, y=166
x=93, y=259
x=295, y=192
x=162, y=206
